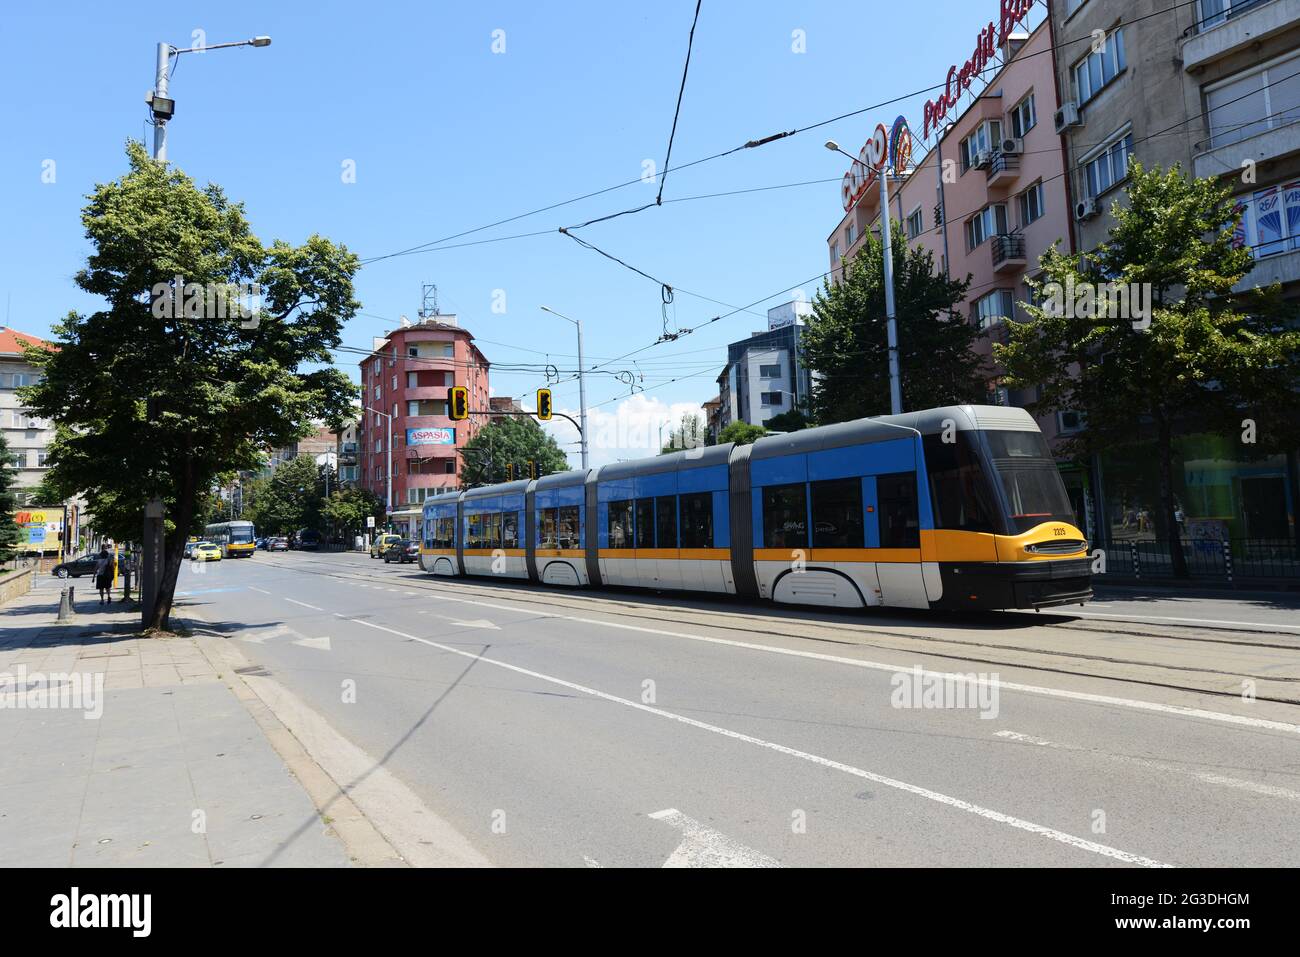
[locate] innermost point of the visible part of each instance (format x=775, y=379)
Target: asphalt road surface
x=499, y=723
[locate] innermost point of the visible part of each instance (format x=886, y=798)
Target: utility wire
x=690, y=43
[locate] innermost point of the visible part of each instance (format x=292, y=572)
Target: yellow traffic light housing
x=458, y=403
x=510, y=472
x=532, y=469
x=544, y=404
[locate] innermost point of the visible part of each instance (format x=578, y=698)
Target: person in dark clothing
x=104, y=575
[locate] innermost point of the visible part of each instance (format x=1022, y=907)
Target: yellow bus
x=235, y=539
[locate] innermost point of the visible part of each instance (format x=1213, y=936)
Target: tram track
x=1226, y=683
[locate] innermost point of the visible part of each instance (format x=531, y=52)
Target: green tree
x=742, y=433
x=1203, y=359
x=846, y=343
x=348, y=508
x=291, y=498
x=164, y=388
x=510, y=440
x=8, y=505
x=792, y=421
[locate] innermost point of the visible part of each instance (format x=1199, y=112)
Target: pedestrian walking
x=104, y=575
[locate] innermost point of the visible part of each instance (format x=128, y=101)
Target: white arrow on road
x=261, y=635
x=474, y=623
x=322, y=643
x=702, y=846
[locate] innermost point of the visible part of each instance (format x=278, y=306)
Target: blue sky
x=447, y=135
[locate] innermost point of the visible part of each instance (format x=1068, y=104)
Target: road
x=496, y=723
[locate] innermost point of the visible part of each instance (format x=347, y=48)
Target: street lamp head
x=260, y=42
x=832, y=146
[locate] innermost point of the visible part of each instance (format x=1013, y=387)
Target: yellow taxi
x=206, y=552
x=381, y=543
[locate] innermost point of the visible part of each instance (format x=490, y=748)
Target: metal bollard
x=66, y=608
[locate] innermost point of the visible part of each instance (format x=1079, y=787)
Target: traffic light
x=510, y=472
x=544, y=404
x=458, y=403
x=532, y=469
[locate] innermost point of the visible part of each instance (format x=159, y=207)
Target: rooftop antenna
x=428, y=301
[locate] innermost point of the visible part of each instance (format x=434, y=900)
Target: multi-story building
x=765, y=375
x=27, y=436
x=1213, y=85
x=404, y=384
x=346, y=451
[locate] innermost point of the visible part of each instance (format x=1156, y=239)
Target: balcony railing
x=1003, y=168
x=1008, y=250
x=1210, y=17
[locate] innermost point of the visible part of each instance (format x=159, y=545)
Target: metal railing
x=1008, y=246
x=1002, y=163
x=1207, y=559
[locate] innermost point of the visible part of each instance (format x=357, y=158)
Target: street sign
x=370, y=521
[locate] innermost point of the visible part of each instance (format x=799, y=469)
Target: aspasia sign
x=430, y=437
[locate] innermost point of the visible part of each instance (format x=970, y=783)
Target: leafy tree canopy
x=741, y=433
x=846, y=344
x=154, y=401
x=1202, y=359
x=8, y=505
x=509, y=440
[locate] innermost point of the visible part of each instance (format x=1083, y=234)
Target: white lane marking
x=1248, y=625
x=1209, y=777
x=304, y=604
x=258, y=590
x=1027, y=739
x=321, y=644
x=1134, y=703
x=987, y=813
x=702, y=846
x=591, y=861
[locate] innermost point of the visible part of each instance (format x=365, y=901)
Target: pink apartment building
x=406, y=377
x=990, y=196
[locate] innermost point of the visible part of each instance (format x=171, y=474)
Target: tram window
x=666, y=521
x=900, y=526
x=492, y=530
x=567, y=526
x=697, y=520
x=473, y=531
x=510, y=530
x=447, y=534
x=546, y=537
x=837, y=514
x=645, y=523
x=958, y=486
x=620, y=524
x=785, y=516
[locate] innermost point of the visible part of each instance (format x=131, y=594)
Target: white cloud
x=628, y=430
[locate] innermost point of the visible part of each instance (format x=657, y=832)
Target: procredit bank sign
x=986, y=48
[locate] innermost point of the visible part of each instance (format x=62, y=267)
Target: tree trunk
x=1167, y=507
x=174, y=551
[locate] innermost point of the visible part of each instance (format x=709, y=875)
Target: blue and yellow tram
x=960, y=507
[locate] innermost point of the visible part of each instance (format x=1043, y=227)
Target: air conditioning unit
x=1067, y=117
x=1087, y=209
x=983, y=159
x=1012, y=146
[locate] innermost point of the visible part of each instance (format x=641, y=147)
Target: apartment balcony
x=1277, y=143
x=1008, y=251
x=1003, y=170
x=1246, y=25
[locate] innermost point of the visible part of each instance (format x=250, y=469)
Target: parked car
x=76, y=567
x=260, y=542
x=402, y=551
x=206, y=552
x=306, y=540
x=277, y=544
x=381, y=543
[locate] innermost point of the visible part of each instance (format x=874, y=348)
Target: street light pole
x=163, y=106
x=582, y=383
x=891, y=324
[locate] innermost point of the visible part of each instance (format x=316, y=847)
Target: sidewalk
x=149, y=760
